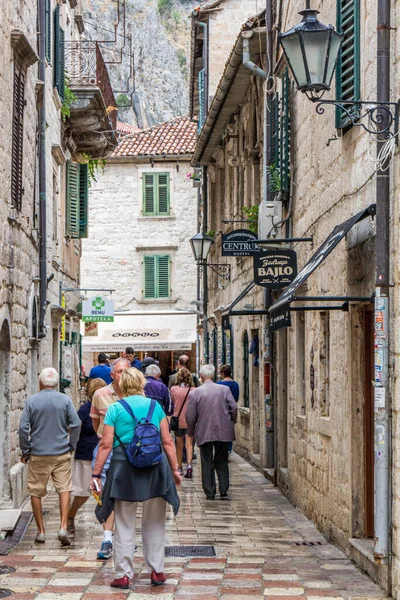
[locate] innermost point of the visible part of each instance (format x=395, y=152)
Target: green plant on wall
x=251, y=212
x=274, y=180
x=164, y=6
x=123, y=101
x=69, y=99
x=94, y=165
x=211, y=233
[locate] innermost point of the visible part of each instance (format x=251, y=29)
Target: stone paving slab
x=258, y=536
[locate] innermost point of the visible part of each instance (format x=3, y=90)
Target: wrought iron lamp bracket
x=222, y=270
x=379, y=119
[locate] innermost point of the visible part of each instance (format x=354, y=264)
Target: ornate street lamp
x=312, y=50
x=201, y=245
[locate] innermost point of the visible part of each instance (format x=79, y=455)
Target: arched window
x=246, y=386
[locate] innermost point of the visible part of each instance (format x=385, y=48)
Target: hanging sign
x=91, y=329
x=275, y=268
x=280, y=318
x=240, y=242
x=98, y=309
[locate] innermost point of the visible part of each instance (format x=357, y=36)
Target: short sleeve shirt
x=119, y=418
x=102, y=399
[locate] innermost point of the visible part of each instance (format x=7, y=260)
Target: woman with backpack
x=180, y=394
x=143, y=469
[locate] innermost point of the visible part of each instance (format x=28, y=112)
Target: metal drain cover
x=183, y=551
x=310, y=544
x=4, y=570
x=5, y=593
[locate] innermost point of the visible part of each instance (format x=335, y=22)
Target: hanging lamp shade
x=201, y=245
x=312, y=50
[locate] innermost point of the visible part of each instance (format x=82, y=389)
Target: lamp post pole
x=381, y=389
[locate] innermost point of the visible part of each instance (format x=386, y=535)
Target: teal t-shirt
x=119, y=418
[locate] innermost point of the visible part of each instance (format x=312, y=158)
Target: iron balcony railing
x=85, y=66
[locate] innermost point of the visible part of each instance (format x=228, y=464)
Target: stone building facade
x=319, y=445
x=143, y=212
x=29, y=338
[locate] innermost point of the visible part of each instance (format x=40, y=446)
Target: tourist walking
x=226, y=379
x=48, y=433
x=102, y=370
x=183, y=363
x=103, y=398
x=131, y=356
x=82, y=464
x=156, y=389
x=180, y=394
x=210, y=416
x=128, y=485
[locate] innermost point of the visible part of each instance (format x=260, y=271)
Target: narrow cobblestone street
x=261, y=553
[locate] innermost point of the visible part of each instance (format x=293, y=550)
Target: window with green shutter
x=83, y=201
x=348, y=67
x=48, y=30
x=72, y=199
x=280, y=140
x=77, y=194
x=156, y=276
x=59, y=55
x=156, y=194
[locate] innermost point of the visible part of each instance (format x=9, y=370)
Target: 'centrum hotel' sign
x=275, y=268
x=239, y=243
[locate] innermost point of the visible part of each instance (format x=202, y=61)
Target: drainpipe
x=381, y=389
x=42, y=174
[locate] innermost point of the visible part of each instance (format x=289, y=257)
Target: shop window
x=156, y=276
x=156, y=194
x=348, y=67
x=246, y=382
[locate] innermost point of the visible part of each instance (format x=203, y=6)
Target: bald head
x=183, y=361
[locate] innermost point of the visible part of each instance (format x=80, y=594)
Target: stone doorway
x=5, y=376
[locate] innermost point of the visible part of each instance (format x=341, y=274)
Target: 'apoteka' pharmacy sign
x=275, y=268
x=98, y=309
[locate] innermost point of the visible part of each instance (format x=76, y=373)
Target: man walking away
x=131, y=356
x=156, y=389
x=226, y=379
x=210, y=416
x=102, y=399
x=102, y=371
x=48, y=433
x=183, y=363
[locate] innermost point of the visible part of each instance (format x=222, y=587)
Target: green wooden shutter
x=149, y=185
x=348, y=68
x=202, y=99
x=149, y=277
x=83, y=201
x=72, y=199
x=48, y=30
x=163, y=194
x=163, y=278
x=284, y=135
x=59, y=55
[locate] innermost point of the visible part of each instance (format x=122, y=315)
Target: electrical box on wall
x=269, y=219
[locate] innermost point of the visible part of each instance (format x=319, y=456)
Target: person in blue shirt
x=226, y=379
x=102, y=370
x=130, y=355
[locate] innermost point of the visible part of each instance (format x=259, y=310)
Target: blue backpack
x=145, y=449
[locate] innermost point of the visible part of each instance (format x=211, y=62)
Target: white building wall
x=119, y=235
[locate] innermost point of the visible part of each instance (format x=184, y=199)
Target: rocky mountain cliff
x=160, y=31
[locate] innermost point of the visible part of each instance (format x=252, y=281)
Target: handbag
x=174, y=422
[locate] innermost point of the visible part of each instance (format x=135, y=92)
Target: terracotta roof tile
x=126, y=128
x=174, y=138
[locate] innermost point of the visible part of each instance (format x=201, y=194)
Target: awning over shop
x=280, y=311
x=144, y=332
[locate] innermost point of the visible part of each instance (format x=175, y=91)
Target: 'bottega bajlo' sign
x=275, y=268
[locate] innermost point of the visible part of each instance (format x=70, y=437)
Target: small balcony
x=92, y=124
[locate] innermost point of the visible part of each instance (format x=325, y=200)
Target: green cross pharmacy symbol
x=98, y=303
